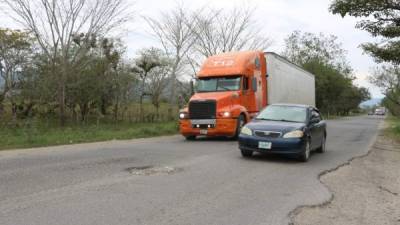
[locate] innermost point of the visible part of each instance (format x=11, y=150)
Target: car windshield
x=218, y=84
x=283, y=113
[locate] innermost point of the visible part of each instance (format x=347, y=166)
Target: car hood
x=278, y=126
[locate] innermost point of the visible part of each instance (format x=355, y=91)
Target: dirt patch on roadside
x=365, y=192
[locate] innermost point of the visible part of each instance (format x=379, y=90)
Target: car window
x=283, y=113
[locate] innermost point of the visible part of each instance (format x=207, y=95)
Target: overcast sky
x=276, y=18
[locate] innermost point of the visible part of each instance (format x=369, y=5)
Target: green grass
x=36, y=134
x=393, y=130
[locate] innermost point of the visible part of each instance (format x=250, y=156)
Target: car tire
x=305, y=155
x=322, y=149
x=246, y=153
x=239, y=125
x=190, y=138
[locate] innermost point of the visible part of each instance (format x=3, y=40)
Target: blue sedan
x=284, y=129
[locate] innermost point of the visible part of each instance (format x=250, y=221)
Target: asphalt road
x=169, y=181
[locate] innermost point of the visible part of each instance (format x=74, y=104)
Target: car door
x=316, y=128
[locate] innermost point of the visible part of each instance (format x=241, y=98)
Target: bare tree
x=220, y=31
x=56, y=23
x=174, y=31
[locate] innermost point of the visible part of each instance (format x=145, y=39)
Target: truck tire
x=246, y=153
x=190, y=138
x=239, y=125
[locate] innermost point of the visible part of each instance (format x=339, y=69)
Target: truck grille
x=267, y=134
x=202, y=109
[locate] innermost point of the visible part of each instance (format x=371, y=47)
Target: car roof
x=296, y=105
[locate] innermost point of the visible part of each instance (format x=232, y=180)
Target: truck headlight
x=294, y=134
x=226, y=114
x=246, y=131
x=183, y=115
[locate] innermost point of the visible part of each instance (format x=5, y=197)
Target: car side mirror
x=314, y=120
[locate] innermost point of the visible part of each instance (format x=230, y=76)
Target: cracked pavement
x=210, y=184
x=366, y=191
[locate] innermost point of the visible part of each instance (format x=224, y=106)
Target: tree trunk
x=14, y=113
x=116, y=109
x=1, y=105
x=103, y=107
x=84, y=111
x=141, y=108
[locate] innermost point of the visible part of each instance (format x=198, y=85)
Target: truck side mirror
x=254, y=84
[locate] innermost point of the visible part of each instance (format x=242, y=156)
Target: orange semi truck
x=231, y=88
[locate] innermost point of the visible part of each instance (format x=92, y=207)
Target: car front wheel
x=305, y=155
x=246, y=153
x=322, y=149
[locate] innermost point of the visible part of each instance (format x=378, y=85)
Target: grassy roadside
x=393, y=131
x=38, y=135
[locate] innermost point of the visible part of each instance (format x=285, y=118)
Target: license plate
x=204, y=132
x=264, y=145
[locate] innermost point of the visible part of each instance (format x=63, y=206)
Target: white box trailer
x=288, y=82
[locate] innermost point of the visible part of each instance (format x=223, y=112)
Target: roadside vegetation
x=393, y=129
x=35, y=133
x=62, y=76
x=381, y=20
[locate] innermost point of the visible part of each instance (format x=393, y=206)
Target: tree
x=381, y=19
x=56, y=23
x=158, y=79
x=174, y=31
x=15, y=50
x=324, y=57
x=220, y=30
x=148, y=60
x=387, y=77
x=302, y=48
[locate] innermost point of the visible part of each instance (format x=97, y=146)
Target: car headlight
x=294, y=134
x=246, y=131
x=183, y=115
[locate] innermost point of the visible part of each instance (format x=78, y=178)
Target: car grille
x=267, y=134
x=202, y=109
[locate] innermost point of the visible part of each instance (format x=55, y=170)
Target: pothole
x=151, y=170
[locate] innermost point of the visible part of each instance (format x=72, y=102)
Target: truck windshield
x=213, y=84
x=283, y=113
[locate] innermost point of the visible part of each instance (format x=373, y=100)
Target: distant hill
x=371, y=102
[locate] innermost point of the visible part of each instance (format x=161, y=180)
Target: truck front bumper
x=222, y=127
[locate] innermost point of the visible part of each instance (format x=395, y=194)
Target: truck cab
x=230, y=90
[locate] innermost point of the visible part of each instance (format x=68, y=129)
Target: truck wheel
x=322, y=149
x=305, y=155
x=246, y=153
x=190, y=138
x=239, y=125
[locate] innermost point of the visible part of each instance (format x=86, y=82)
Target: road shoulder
x=365, y=191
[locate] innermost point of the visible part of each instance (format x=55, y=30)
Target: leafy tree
x=381, y=19
x=325, y=58
x=302, y=48
x=148, y=60
x=55, y=24
x=387, y=77
x=15, y=50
